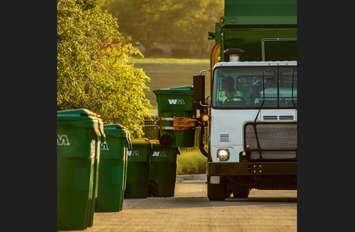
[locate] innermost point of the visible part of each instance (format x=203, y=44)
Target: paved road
x=190, y=210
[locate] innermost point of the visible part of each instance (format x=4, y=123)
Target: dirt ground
x=190, y=210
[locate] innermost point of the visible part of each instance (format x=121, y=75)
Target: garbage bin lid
x=82, y=112
x=175, y=90
x=154, y=142
x=82, y=118
x=117, y=130
x=143, y=141
x=156, y=145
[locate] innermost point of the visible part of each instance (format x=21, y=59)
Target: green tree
x=92, y=66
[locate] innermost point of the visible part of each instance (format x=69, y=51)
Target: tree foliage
x=180, y=23
x=92, y=66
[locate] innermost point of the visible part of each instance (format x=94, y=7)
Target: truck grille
x=271, y=140
x=286, y=117
x=224, y=138
x=270, y=117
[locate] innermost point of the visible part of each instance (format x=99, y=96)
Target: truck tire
x=241, y=192
x=216, y=192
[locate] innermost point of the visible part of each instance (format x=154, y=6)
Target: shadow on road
x=265, y=199
x=202, y=202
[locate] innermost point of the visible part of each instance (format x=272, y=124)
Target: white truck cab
x=253, y=127
x=228, y=116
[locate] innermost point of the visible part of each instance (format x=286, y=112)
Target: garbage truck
x=249, y=122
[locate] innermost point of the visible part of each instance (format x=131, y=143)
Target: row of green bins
x=113, y=168
x=176, y=102
x=79, y=134
x=162, y=171
x=138, y=169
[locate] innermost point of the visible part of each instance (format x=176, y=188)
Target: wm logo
x=104, y=146
x=156, y=153
x=63, y=140
x=176, y=101
x=133, y=153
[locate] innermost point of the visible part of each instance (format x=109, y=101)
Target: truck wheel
x=241, y=193
x=216, y=192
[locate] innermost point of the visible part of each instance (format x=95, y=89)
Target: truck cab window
x=249, y=87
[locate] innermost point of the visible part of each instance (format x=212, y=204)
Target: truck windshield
x=252, y=87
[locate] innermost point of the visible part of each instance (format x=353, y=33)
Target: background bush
x=93, y=69
x=191, y=161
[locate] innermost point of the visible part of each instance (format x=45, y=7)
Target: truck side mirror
x=198, y=91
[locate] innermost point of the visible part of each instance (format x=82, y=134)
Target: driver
x=249, y=92
x=230, y=92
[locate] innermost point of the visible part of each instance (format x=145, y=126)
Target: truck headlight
x=223, y=154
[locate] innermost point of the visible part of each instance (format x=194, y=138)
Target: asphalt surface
x=190, y=210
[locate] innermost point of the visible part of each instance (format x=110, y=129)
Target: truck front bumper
x=252, y=169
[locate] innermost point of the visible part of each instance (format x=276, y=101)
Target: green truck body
x=265, y=30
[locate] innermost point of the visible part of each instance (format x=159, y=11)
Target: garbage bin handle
x=129, y=144
x=128, y=140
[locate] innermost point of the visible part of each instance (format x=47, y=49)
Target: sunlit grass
x=191, y=162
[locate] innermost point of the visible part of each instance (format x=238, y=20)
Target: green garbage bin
x=176, y=99
x=162, y=171
x=176, y=102
x=185, y=138
x=78, y=132
x=112, y=173
x=138, y=169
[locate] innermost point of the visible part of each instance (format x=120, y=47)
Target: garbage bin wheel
x=153, y=189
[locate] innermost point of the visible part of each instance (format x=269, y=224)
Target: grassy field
x=169, y=72
x=169, y=61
